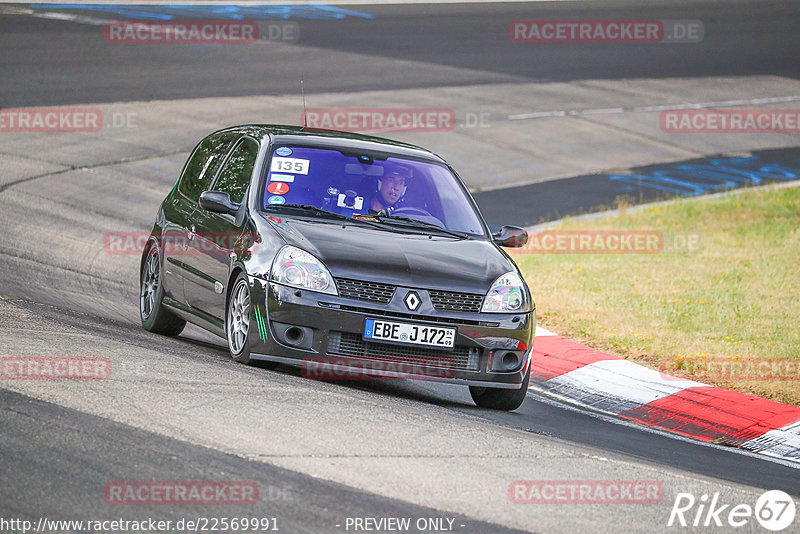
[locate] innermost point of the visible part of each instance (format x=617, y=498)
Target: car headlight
x=297, y=268
x=507, y=294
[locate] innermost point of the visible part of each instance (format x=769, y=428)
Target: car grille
x=369, y=291
x=383, y=293
x=461, y=302
x=347, y=344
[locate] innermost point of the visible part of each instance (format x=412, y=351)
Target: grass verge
x=713, y=294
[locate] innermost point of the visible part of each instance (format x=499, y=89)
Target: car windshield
x=389, y=189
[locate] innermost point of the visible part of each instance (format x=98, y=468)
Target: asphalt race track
x=323, y=452
x=55, y=64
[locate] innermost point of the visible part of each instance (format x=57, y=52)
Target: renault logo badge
x=412, y=300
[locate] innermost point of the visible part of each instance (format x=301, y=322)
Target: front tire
x=500, y=399
x=155, y=317
x=237, y=320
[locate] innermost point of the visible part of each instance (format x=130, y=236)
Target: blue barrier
x=717, y=174
x=232, y=12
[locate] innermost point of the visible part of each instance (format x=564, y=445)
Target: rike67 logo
x=774, y=510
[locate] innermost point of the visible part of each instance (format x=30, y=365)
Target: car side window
x=204, y=164
x=234, y=177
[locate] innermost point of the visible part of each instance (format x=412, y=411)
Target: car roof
x=281, y=133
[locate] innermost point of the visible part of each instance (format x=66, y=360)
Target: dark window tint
x=234, y=177
x=203, y=164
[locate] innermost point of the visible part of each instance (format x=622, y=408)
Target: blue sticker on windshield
x=284, y=151
x=276, y=199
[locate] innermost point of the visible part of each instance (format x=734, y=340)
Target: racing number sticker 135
x=293, y=165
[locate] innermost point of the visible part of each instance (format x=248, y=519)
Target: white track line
x=541, y=332
x=664, y=107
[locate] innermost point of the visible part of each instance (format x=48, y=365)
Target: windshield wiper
x=319, y=212
x=407, y=222
x=375, y=221
x=308, y=209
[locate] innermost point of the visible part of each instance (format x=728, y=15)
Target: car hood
x=409, y=259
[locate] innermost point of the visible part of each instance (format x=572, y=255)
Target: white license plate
x=411, y=334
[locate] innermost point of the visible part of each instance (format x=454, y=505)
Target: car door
x=181, y=203
x=216, y=234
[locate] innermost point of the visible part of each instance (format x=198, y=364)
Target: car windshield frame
x=457, y=186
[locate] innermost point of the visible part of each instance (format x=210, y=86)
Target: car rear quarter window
x=203, y=164
x=234, y=177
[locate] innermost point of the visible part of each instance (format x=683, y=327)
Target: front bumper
x=324, y=335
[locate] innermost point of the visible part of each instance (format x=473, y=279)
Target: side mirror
x=217, y=202
x=511, y=236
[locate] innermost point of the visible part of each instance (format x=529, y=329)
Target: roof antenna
x=303, y=93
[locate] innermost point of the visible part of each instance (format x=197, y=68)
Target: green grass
x=735, y=297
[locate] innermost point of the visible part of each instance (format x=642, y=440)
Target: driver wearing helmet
x=391, y=188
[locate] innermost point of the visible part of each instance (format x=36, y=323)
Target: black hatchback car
x=344, y=254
